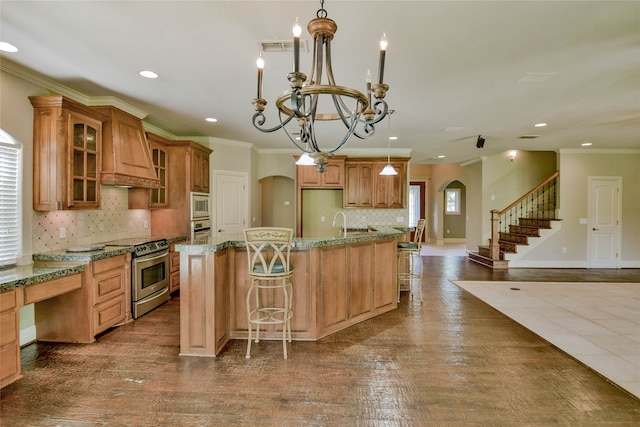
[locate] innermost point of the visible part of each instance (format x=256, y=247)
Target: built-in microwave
x=200, y=206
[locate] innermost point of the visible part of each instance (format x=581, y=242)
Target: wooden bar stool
x=271, y=292
x=410, y=262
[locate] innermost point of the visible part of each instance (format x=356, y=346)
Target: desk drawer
x=52, y=288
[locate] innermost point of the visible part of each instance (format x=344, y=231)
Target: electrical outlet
x=564, y=250
x=322, y=218
x=63, y=233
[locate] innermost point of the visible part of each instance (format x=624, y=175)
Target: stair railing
x=538, y=203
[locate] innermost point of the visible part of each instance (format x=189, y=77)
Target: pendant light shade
x=305, y=160
x=389, y=170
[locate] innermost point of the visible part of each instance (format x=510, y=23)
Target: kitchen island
x=338, y=281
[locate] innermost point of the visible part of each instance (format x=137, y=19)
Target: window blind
x=10, y=199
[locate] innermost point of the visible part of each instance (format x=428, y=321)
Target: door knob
x=595, y=229
x=220, y=230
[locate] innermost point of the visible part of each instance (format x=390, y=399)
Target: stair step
x=485, y=251
x=535, y=222
x=488, y=262
x=525, y=230
x=543, y=214
x=514, y=238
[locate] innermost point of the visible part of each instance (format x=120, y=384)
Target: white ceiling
x=456, y=65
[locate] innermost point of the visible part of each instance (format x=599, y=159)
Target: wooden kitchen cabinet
x=200, y=169
x=103, y=301
x=67, y=144
x=333, y=177
x=358, y=187
x=187, y=165
x=366, y=188
x=10, y=302
x=151, y=198
x=174, y=267
x=390, y=191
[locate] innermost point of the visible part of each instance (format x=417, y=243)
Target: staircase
x=519, y=224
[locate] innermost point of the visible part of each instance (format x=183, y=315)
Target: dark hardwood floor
x=452, y=361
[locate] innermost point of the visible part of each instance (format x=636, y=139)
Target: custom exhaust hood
x=126, y=157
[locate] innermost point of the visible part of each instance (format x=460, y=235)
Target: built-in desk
x=23, y=285
x=338, y=281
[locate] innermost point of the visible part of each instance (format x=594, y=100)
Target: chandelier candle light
x=301, y=101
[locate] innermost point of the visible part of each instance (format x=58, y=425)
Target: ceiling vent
x=529, y=136
x=282, y=46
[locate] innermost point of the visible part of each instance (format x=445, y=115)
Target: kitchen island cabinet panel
x=333, y=291
x=383, y=294
x=361, y=279
x=203, y=307
x=301, y=326
x=337, y=283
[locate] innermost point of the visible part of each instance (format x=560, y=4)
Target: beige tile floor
x=596, y=323
x=447, y=249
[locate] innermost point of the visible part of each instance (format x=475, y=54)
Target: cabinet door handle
x=219, y=230
x=595, y=229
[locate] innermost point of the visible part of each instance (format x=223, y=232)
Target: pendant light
x=389, y=170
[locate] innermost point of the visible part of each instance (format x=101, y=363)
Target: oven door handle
x=164, y=254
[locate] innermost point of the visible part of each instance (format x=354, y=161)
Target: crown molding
x=38, y=79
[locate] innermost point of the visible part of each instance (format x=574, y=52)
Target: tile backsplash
x=82, y=228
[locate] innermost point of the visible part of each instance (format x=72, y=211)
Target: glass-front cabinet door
x=84, y=179
x=159, y=195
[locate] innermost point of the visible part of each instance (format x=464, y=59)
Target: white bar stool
x=268, y=252
x=410, y=262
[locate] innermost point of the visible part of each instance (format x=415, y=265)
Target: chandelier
x=354, y=109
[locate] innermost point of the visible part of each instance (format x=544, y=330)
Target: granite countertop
x=24, y=275
x=216, y=243
x=85, y=257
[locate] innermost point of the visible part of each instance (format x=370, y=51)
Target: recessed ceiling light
x=393, y=138
x=540, y=125
x=148, y=74
x=441, y=156
x=8, y=47
x=211, y=119
x=586, y=144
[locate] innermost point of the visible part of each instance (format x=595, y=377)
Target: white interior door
x=231, y=202
x=604, y=222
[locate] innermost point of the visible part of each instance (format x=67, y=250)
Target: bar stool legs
x=260, y=315
x=409, y=271
x=270, y=296
x=410, y=262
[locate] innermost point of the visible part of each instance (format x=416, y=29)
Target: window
x=10, y=200
x=414, y=205
x=452, y=200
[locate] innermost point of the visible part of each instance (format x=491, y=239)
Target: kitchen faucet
x=344, y=222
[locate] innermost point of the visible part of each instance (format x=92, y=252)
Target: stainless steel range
x=149, y=273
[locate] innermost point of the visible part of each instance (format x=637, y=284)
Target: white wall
x=575, y=168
